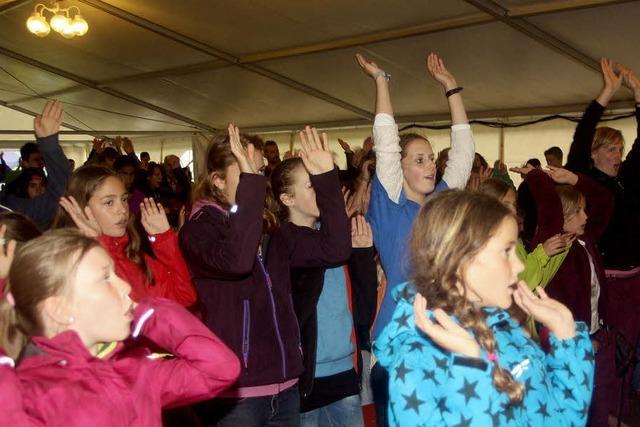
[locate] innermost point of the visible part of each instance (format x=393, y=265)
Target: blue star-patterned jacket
x=429, y=386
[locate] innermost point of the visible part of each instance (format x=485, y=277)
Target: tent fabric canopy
x=195, y=65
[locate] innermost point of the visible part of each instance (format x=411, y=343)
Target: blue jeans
x=343, y=413
x=279, y=410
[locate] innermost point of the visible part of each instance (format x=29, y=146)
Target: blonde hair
x=605, y=136
x=572, y=200
x=448, y=233
x=50, y=260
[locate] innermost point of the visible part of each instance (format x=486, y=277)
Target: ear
x=56, y=315
x=287, y=200
x=215, y=179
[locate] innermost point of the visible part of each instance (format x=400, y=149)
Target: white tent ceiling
x=169, y=66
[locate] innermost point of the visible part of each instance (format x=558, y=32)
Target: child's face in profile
x=492, y=274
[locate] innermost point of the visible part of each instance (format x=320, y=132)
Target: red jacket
x=59, y=383
x=170, y=273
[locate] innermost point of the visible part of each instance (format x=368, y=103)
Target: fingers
x=304, y=143
x=11, y=249
x=541, y=293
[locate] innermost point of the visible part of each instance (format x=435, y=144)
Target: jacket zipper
x=275, y=318
x=246, y=328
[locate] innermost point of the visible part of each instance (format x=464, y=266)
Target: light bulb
x=59, y=22
x=80, y=26
x=67, y=32
x=38, y=25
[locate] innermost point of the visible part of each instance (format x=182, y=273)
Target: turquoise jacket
x=429, y=386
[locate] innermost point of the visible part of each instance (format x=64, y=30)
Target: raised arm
x=458, y=169
x=386, y=141
x=579, y=158
x=222, y=245
x=630, y=169
x=550, y=218
x=202, y=365
x=332, y=243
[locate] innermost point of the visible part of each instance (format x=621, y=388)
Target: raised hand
x=345, y=146
x=153, y=217
x=522, y=170
x=48, y=123
x=243, y=156
x=630, y=80
x=561, y=175
x=611, y=81
x=551, y=313
x=127, y=145
x=7, y=251
x=361, y=234
x=84, y=219
x=315, y=152
x=98, y=145
x=444, y=331
x=369, y=67
x=554, y=245
x=118, y=143
x=439, y=72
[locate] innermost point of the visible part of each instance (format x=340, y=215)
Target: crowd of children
x=272, y=292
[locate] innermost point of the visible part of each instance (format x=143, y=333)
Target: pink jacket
x=61, y=384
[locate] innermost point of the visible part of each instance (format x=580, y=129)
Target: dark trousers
x=606, y=385
x=380, y=389
x=279, y=410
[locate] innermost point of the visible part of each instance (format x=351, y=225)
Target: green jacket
x=539, y=268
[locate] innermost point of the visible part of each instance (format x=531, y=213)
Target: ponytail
x=12, y=338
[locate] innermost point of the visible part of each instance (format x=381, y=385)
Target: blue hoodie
x=434, y=387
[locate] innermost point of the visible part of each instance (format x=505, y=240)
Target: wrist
x=564, y=332
x=450, y=85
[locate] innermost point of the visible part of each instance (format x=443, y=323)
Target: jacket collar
x=114, y=242
x=63, y=349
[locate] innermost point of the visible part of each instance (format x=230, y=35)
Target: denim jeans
x=343, y=413
x=279, y=410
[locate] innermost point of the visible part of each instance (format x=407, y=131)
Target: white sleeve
x=386, y=144
x=461, y=156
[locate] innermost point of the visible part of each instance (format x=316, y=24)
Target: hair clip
x=493, y=358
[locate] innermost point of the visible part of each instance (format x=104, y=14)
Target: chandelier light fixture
x=61, y=21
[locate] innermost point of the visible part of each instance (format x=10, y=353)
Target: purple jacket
x=249, y=303
x=572, y=283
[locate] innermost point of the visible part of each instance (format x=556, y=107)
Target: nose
x=516, y=264
x=124, y=288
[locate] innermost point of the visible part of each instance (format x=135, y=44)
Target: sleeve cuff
x=384, y=119
x=461, y=126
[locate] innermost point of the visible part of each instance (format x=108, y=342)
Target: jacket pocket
x=246, y=331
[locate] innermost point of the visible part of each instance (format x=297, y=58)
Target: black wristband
x=453, y=91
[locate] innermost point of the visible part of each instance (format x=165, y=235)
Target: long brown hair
x=282, y=181
x=84, y=182
x=448, y=233
x=219, y=158
x=50, y=260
